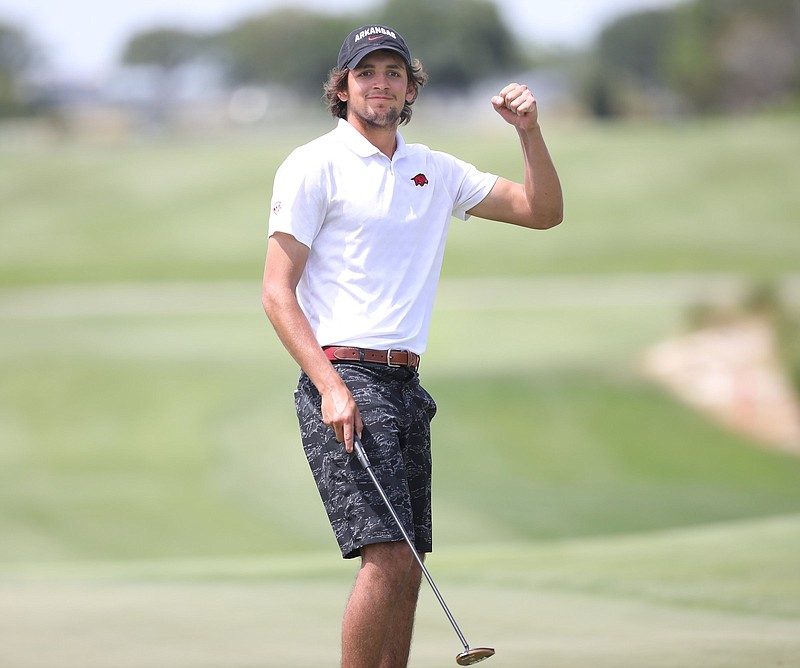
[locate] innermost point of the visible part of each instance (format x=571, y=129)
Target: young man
x=357, y=233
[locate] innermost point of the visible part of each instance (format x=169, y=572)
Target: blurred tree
x=689, y=60
x=734, y=54
x=601, y=93
x=717, y=55
x=294, y=47
x=166, y=48
x=17, y=56
x=459, y=42
x=635, y=45
x=628, y=62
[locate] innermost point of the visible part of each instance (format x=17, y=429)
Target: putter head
x=470, y=656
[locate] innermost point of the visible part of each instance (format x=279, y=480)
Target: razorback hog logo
x=420, y=180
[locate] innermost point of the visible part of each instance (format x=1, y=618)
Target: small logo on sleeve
x=420, y=180
x=277, y=208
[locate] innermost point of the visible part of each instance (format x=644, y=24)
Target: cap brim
x=357, y=58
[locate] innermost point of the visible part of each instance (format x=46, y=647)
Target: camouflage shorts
x=396, y=412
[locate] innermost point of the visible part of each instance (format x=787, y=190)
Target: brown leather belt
x=392, y=357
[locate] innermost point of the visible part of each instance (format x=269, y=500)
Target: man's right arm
x=286, y=260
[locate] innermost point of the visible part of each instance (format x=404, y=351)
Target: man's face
x=377, y=90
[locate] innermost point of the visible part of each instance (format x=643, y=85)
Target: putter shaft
x=362, y=457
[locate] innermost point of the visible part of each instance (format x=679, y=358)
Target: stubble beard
x=381, y=119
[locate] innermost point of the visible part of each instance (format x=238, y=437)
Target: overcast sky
x=84, y=37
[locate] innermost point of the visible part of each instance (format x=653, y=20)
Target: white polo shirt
x=376, y=231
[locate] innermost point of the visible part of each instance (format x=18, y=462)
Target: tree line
x=463, y=41
x=700, y=56
x=708, y=56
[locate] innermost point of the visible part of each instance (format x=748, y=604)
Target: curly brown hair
x=337, y=83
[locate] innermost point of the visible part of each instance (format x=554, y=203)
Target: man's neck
x=382, y=138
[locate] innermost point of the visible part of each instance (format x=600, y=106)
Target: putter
x=468, y=656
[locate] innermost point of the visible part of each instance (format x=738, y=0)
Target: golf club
x=468, y=656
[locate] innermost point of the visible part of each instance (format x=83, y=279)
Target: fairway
x=722, y=596
x=156, y=510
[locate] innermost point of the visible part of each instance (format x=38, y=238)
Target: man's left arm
x=537, y=203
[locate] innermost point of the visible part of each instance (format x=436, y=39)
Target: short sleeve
x=468, y=184
x=299, y=198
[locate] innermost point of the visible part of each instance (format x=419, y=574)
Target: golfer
x=357, y=233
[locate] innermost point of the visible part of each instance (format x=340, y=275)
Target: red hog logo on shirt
x=420, y=180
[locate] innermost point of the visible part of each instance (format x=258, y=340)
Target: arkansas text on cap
x=367, y=39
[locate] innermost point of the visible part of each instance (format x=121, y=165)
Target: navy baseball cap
x=367, y=39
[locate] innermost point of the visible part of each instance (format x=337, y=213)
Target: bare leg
x=397, y=645
x=379, y=618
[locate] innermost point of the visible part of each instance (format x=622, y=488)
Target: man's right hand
x=340, y=413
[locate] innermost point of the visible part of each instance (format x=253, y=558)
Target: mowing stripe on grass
x=492, y=293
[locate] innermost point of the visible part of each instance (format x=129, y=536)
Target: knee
x=393, y=561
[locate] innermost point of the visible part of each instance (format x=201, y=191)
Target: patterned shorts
x=396, y=412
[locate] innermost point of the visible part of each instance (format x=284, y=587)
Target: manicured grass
x=174, y=436
x=706, y=197
x=568, y=454
x=724, y=596
x=145, y=437
x=155, y=505
x=652, y=198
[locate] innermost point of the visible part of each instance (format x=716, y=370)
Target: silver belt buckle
x=389, y=358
